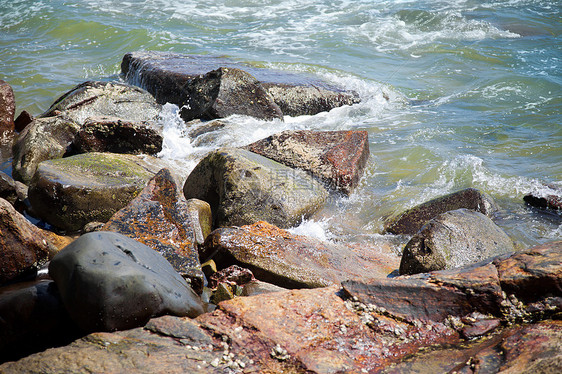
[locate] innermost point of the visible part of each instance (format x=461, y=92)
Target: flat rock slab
x=70, y=192
x=412, y=220
x=338, y=158
x=243, y=187
x=161, y=218
x=293, y=261
x=7, y=107
x=109, y=282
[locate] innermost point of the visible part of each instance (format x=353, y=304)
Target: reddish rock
x=7, y=107
x=293, y=261
x=23, y=246
x=234, y=275
x=480, y=327
x=336, y=157
x=23, y=120
x=160, y=218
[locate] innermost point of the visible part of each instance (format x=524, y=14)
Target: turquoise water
x=474, y=87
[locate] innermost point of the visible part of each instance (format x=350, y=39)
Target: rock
x=161, y=218
x=234, y=275
x=73, y=191
x=452, y=239
x=168, y=75
x=43, y=139
x=23, y=247
x=23, y=120
x=104, y=134
x=105, y=99
x=198, y=128
x=338, y=158
x=293, y=261
x=243, y=187
x=9, y=190
x=108, y=282
x=257, y=287
x=548, y=197
x=411, y=221
x=7, y=107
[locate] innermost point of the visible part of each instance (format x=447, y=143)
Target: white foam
x=313, y=229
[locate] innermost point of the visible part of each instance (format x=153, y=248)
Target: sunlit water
x=474, y=88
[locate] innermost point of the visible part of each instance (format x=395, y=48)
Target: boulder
x=411, y=221
x=105, y=134
x=105, y=99
x=243, y=187
x=7, y=107
x=161, y=218
x=453, y=239
x=338, y=158
x=14, y=192
x=293, y=261
x=23, y=247
x=70, y=192
x=24, y=119
x=108, y=281
x=43, y=139
x=547, y=197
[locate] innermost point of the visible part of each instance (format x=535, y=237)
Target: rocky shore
x=137, y=267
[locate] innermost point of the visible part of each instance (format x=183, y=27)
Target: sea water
x=455, y=94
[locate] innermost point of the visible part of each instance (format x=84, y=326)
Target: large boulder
x=161, y=218
x=293, y=261
x=338, y=158
x=453, y=239
x=243, y=187
x=108, y=282
x=412, y=220
x=43, y=139
x=105, y=99
x=23, y=246
x=70, y=192
x=107, y=134
x=7, y=107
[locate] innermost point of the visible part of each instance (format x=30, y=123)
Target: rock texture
x=411, y=221
x=161, y=218
x=293, y=261
x=24, y=119
x=14, y=192
x=70, y=192
x=338, y=158
x=453, y=239
x=549, y=197
x=243, y=187
x=7, y=107
x=108, y=282
x=23, y=247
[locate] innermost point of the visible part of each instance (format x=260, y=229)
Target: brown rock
x=338, y=158
x=7, y=107
x=23, y=120
x=549, y=197
x=23, y=247
x=234, y=275
x=160, y=218
x=292, y=261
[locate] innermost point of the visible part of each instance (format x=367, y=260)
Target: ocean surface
x=473, y=87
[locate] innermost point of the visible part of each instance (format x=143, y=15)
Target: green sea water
x=473, y=87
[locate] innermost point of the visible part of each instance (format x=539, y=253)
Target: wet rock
x=293, y=261
x=478, y=327
x=14, y=192
x=108, y=282
x=23, y=120
x=199, y=128
x=161, y=218
x=23, y=247
x=43, y=139
x=549, y=197
x=105, y=99
x=338, y=158
x=411, y=221
x=7, y=107
x=73, y=191
x=243, y=187
x=105, y=134
x=452, y=239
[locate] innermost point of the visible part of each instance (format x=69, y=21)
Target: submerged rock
x=411, y=221
x=7, y=107
x=73, y=191
x=338, y=158
x=453, y=239
x=243, y=187
x=108, y=282
x=550, y=197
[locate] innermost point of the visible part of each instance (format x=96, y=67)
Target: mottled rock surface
x=411, y=221
x=7, y=107
x=338, y=158
x=243, y=187
x=108, y=282
x=452, y=239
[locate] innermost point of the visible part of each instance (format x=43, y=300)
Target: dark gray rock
x=24, y=119
x=411, y=221
x=108, y=281
x=453, y=239
x=548, y=197
x=243, y=187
